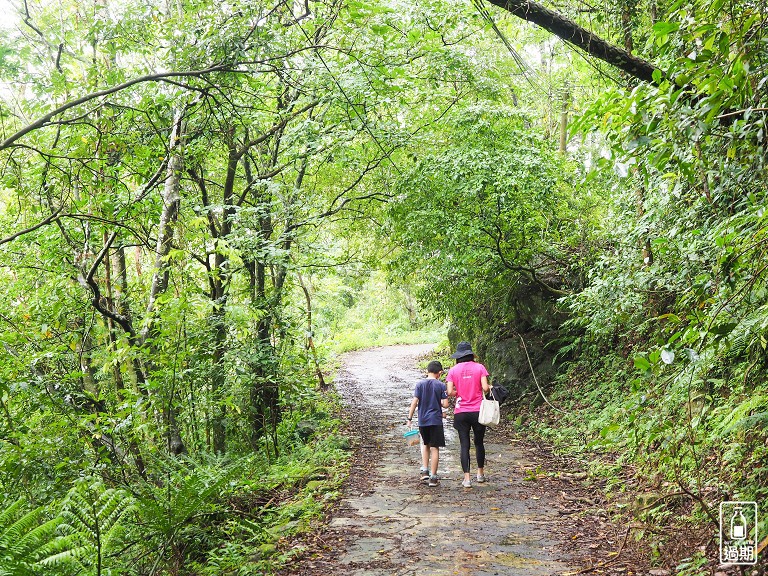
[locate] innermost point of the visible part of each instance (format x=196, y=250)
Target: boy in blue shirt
x=430, y=396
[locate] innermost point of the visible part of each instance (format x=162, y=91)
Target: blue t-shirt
x=429, y=392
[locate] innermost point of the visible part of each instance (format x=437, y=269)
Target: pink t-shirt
x=469, y=390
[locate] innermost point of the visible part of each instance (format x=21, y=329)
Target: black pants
x=463, y=422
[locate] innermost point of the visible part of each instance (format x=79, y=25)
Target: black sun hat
x=463, y=349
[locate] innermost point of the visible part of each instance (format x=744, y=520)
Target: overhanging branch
x=580, y=37
x=45, y=119
x=595, y=46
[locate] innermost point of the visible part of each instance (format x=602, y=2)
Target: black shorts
x=432, y=436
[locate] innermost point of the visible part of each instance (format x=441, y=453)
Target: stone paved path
x=388, y=523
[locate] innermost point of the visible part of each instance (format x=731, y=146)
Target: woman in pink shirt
x=468, y=381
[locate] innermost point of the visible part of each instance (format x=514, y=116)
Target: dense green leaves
x=488, y=210
x=164, y=242
x=171, y=175
x=30, y=545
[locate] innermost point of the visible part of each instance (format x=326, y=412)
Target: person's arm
x=412, y=410
x=484, y=384
x=451, y=388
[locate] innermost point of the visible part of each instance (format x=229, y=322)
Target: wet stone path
x=389, y=523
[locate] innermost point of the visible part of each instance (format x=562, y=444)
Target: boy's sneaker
x=480, y=479
x=423, y=474
x=466, y=484
x=433, y=481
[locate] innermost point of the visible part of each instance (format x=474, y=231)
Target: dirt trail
x=388, y=523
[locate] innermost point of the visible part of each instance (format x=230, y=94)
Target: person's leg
x=462, y=428
x=425, y=443
x=424, y=459
x=478, y=432
x=433, y=479
x=436, y=441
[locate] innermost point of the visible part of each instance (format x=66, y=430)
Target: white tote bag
x=489, y=411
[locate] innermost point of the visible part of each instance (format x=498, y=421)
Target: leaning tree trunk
x=593, y=45
x=582, y=38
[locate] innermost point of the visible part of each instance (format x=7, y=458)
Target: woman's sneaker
x=466, y=484
x=480, y=479
x=433, y=481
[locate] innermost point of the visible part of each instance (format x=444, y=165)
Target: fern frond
x=27, y=546
x=6, y=516
x=63, y=549
x=732, y=421
x=752, y=422
x=746, y=333
x=93, y=517
x=15, y=531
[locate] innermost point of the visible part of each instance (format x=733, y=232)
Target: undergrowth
x=201, y=514
x=667, y=441
x=271, y=503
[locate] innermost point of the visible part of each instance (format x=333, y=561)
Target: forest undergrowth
x=192, y=514
x=664, y=456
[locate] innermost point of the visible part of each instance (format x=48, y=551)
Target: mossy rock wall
x=531, y=314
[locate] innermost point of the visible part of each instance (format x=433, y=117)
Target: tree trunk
x=310, y=336
x=219, y=297
x=580, y=37
x=257, y=401
x=161, y=272
x=627, y=16
x=168, y=217
x=646, y=242
x=564, y=121
x=218, y=379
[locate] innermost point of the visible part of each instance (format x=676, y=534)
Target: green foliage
x=387, y=168
x=486, y=214
x=95, y=516
x=667, y=368
x=271, y=502
x=183, y=490
x=695, y=565
x=30, y=545
x=378, y=313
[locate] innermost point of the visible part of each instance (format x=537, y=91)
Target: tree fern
x=94, y=514
x=29, y=547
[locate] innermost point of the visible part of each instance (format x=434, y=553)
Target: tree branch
x=530, y=272
x=48, y=220
x=276, y=128
x=593, y=45
x=45, y=119
x=90, y=281
x=580, y=37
